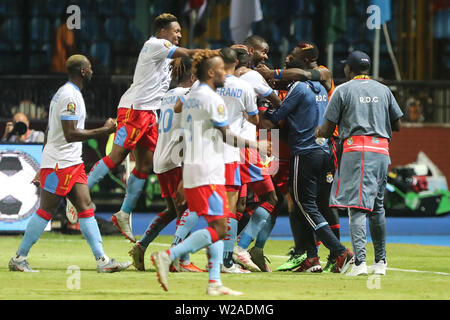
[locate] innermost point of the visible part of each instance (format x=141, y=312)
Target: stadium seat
x=40, y=29
x=89, y=28
x=225, y=31
x=9, y=7
x=353, y=27
x=4, y=46
x=135, y=32
x=128, y=7
x=55, y=8
x=12, y=29
x=115, y=29
x=303, y=28
x=100, y=51
x=106, y=7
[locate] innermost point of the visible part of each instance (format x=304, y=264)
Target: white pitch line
x=273, y=256
x=393, y=269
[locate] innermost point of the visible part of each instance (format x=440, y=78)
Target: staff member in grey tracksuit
x=366, y=113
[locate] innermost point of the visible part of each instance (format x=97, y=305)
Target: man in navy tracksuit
x=303, y=108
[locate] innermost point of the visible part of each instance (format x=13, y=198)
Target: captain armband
x=315, y=75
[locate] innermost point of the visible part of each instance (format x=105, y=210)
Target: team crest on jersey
x=71, y=107
x=329, y=177
x=349, y=141
x=167, y=44
x=221, y=109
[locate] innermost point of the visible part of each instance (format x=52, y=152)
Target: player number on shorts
x=134, y=134
x=67, y=180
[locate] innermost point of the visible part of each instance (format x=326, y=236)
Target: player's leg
x=268, y=199
x=357, y=223
x=81, y=199
x=123, y=144
x=230, y=239
x=308, y=170
x=141, y=135
x=205, y=200
x=377, y=226
x=48, y=205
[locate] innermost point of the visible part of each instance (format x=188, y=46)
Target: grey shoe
x=257, y=255
x=161, y=261
x=113, y=266
x=137, y=253
x=21, y=266
x=122, y=221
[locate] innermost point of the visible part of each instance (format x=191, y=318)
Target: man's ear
x=210, y=73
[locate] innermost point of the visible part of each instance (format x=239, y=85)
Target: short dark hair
x=229, y=56
x=254, y=41
x=164, y=20
x=243, y=58
x=75, y=63
x=310, y=49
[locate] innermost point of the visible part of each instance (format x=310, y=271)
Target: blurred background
x=410, y=53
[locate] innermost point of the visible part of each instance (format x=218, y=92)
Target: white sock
x=19, y=258
x=103, y=260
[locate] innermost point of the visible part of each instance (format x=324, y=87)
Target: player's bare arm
x=396, y=125
x=254, y=119
x=73, y=134
x=297, y=74
x=37, y=178
x=184, y=52
x=325, y=130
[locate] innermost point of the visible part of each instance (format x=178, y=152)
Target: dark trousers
x=307, y=180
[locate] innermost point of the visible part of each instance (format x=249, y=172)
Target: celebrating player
x=253, y=175
x=303, y=108
x=167, y=166
x=137, y=130
x=62, y=170
x=301, y=65
x=204, y=118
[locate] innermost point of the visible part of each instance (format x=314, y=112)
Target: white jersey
x=66, y=104
x=239, y=97
x=262, y=89
x=166, y=155
x=203, y=109
x=151, y=77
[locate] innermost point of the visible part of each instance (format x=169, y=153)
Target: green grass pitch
x=415, y=272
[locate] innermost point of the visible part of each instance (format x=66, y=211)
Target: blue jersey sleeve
x=290, y=103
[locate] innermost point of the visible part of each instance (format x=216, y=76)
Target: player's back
x=239, y=98
x=66, y=104
x=312, y=99
x=203, y=109
x=151, y=76
x=165, y=158
x=368, y=106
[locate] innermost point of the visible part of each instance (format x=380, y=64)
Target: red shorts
x=136, y=127
x=281, y=179
x=232, y=177
x=169, y=182
x=259, y=188
x=251, y=167
x=209, y=201
x=61, y=181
